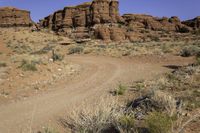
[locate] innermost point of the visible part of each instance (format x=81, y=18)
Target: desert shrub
x=127, y=123
x=126, y=53
x=44, y=50
x=98, y=118
x=3, y=64
x=57, y=57
x=166, y=49
x=88, y=50
x=120, y=90
x=190, y=51
x=154, y=38
x=49, y=130
x=101, y=46
x=198, y=59
x=196, y=32
x=28, y=65
x=159, y=123
x=60, y=39
x=184, y=30
x=165, y=102
x=191, y=102
x=76, y=49
x=139, y=85
x=20, y=48
x=152, y=101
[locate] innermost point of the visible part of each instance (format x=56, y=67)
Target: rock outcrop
x=13, y=17
x=138, y=22
x=100, y=19
x=194, y=23
x=86, y=20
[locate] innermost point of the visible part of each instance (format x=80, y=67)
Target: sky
x=184, y=9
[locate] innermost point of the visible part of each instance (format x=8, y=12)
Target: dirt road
x=98, y=76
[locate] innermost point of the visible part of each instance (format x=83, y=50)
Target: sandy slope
x=99, y=75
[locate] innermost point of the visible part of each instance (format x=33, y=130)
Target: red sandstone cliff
x=10, y=16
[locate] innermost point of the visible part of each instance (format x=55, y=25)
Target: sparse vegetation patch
x=3, y=64
x=75, y=50
x=28, y=65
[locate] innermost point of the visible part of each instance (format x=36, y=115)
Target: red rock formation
x=12, y=17
x=101, y=19
x=77, y=21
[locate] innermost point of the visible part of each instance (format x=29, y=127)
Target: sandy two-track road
x=99, y=75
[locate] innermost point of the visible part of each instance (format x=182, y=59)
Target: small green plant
x=44, y=50
x=74, y=50
x=28, y=65
x=120, y=90
x=140, y=86
x=49, y=130
x=127, y=123
x=3, y=64
x=166, y=49
x=198, y=59
x=57, y=57
x=159, y=123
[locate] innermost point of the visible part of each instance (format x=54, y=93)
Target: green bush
x=3, y=64
x=74, y=50
x=127, y=123
x=159, y=123
x=190, y=51
x=120, y=90
x=28, y=65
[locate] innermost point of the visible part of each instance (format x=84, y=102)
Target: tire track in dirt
x=100, y=74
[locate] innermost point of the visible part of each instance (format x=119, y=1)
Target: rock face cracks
x=13, y=17
x=100, y=19
x=85, y=20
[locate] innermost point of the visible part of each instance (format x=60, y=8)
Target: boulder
x=117, y=34
x=102, y=32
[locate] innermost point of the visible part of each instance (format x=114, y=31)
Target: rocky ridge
x=13, y=17
x=100, y=19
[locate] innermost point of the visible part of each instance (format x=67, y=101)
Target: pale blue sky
x=185, y=9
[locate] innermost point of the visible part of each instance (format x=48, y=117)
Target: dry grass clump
x=96, y=119
x=105, y=116
x=75, y=50
x=159, y=123
x=44, y=50
x=166, y=102
x=48, y=130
